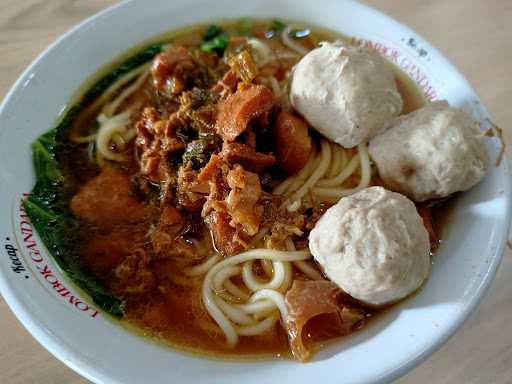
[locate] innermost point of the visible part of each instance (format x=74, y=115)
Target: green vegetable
x=54, y=223
x=215, y=40
x=212, y=31
x=46, y=205
x=278, y=25
x=245, y=26
x=217, y=44
x=131, y=63
x=197, y=152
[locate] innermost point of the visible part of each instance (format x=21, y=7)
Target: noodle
x=259, y=236
x=105, y=96
x=323, y=176
x=235, y=291
x=221, y=311
x=325, y=158
x=273, y=296
x=343, y=175
x=252, y=282
x=201, y=269
x=366, y=174
x=288, y=184
x=290, y=43
x=302, y=265
x=122, y=81
x=288, y=276
x=223, y=275
x=336, y=161
x=276, y=88
x=308, y=270
x=233, y=313
x=267, y=267
x=263, y=326
x=108, y=127
x=112, y=107
x=85, y=139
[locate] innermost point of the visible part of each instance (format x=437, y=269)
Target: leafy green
x=53, y=228
x=46, y=205
x=215, y=40
x=198, y=152
x=217, y=44
x=212, y=32
x=54, y=223
x=128, y=65
x=245, y=26
x=277, y=25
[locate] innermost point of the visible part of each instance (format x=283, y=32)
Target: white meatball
x=431, y=153
x=373, y=245
x=346, y=93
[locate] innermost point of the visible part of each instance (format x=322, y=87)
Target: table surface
x=474, y=34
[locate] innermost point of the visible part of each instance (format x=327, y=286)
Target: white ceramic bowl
x=65, y=321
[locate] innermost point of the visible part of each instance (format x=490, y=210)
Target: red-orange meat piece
x=227, y=84
x=170, y=216
x=293, y=143
x=168, y=68
x=107, y=200
x=133, y=276
x=105, y=252
x=210, y=169
x=225, y=237
x=239, y=153
x=242, y=201
x=238, y=109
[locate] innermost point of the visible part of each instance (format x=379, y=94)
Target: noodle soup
x=193, y=235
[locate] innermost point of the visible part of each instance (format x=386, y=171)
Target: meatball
x=373, y=245
x=346, y=93
x=431, y=153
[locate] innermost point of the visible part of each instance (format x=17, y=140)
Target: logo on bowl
x=404, y=63
x=28, y=254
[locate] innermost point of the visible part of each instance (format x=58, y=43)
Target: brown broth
x=174, y=314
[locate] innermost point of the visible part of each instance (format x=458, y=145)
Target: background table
x=476, y=35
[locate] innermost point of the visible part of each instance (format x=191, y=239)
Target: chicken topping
x=169, y=68
x=243, y=198
x=238, y=109
x=293, y=144
x=239, y=153
x=107, y=200
x=156, y=139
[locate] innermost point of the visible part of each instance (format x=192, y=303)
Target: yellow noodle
x=335, y=194
x=320, y=169
x=343, y=175
x=259, y=328
x=201, y=269
x=112, y=107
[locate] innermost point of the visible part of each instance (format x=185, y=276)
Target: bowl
x=66, y=322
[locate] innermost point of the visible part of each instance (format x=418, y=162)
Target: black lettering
x=10, y=248
x=18, y=268
x=16, y=261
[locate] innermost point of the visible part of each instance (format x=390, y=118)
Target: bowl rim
x=70, y=358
